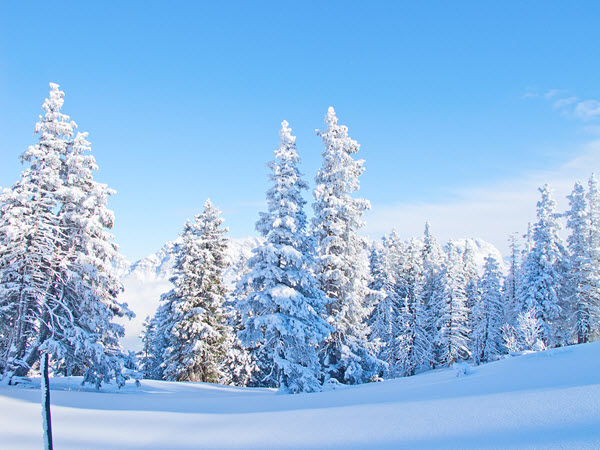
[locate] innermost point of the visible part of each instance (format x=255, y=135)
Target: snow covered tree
x=453, y=333
x=157, y=333
x=381, y=317
x=488, y=314
x=583, y=277
x=90, y=286
x=62, y=287
x=384, y=269
x=29, y=228
x=543, y=270
x=471, y=284
x=413, y=347
x=433, y=259
x=511, y=283
x=530, y=330
x=342, y=263
x=200, y=338
x=593, y=197
x=281, y=313
x=146, y=356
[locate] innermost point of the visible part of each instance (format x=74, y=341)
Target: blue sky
x=452, y=103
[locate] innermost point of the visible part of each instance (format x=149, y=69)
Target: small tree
x=199, y=338
x=530, y=330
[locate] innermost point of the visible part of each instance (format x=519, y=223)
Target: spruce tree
x=593, y=198
x=384, y=261
x=281, y=313
x=544, y=270
x=511, y=282
x=342, y=262
x=488, y=314
x=433, y=259
x=414, y=348
x=453, y=332
x=583, y=278
x=199, y=339
x=62, y=289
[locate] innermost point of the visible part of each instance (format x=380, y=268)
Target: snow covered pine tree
x=56, y=263
x=342, y=262
x=583, y=277
x=198, y=335
x=281, y=313
x=543, y=272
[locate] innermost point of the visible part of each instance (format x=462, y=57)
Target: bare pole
x=47, y=420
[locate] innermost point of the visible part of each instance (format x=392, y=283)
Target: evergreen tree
x=413, y=346
x=200, y=338
x=381, y=320
x=488, y=314
x=583, y=277
x=157, y=334
x=511, y=283
x=433, y=259
x=593, y=197
x=281, y=313
x=342, y=263
x=453, y=332
x=543, y=270
x=471, y=286
x=61, y=292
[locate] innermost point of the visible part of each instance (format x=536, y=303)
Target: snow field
x=539, y=400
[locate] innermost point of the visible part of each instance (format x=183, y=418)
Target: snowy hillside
x=145, y=280
x=539, y=400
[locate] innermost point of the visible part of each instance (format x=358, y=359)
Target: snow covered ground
x=539, y=400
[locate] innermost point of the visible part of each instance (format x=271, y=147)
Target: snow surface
x=539, y=400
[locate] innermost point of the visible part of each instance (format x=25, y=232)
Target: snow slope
x=539, y=400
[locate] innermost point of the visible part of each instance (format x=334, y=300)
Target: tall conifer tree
x=281, y=313
x=342, y=263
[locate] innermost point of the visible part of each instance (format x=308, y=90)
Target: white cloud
x=587, y=109
x=563, y=102
x=552, y=93
x=491, y=212
x=570, y=106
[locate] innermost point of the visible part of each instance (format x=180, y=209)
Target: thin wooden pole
x=47, y=420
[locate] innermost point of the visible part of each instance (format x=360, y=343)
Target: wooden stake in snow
x=47, y=422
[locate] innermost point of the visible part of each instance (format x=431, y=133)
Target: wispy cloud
x=587, y=109
x=491, y=212
x=564, y=102
x=568, y=104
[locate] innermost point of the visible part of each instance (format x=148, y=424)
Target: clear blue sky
x=183, y=100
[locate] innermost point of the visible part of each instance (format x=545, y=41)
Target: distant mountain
x=481, y=250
